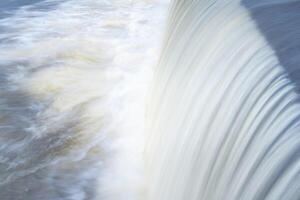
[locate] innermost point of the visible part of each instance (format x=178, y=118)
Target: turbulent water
x=221, y=120
x=224, y=115
x=74, y=76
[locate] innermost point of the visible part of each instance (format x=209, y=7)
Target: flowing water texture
x=74, y=76
x=221, y=122
x=224, y=114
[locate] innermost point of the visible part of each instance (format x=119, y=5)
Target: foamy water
x=74, y=76
x=221, y=122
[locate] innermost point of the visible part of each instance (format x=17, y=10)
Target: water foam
x=73, y=81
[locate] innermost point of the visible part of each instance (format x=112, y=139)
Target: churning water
x=221, y=120
x=74, y=76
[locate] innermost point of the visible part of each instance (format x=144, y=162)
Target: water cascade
x=224, y=113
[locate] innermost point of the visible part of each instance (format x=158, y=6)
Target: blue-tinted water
x=7, y=8
x=73, y=76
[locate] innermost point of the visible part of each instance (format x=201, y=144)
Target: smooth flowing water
x=224, y=114
x=221, y=120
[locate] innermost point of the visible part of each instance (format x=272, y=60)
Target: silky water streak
x=224, y=111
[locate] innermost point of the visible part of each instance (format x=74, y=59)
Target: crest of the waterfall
x=224, y=113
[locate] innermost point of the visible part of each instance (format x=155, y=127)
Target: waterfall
x=223, y=117
x=221, y=120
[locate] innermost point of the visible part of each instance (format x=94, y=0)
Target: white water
x=73, y=80
x=222, y=117
x=224, y=114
